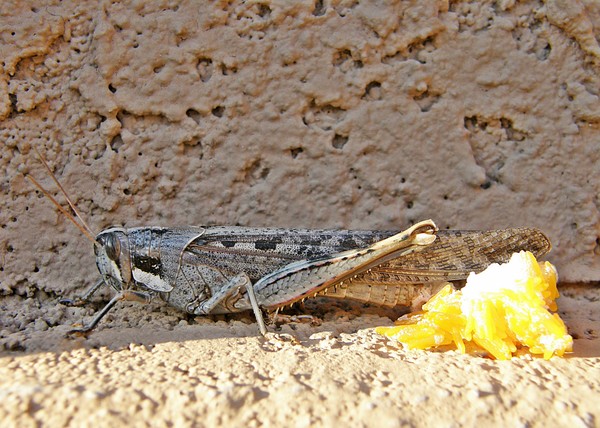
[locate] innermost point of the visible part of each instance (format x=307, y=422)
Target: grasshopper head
x=113, y=257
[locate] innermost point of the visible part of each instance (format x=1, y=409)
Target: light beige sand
x=338, y=374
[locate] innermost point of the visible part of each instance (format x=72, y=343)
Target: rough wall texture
x=366, y=115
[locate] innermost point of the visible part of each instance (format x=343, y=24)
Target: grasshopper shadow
x=149, y=325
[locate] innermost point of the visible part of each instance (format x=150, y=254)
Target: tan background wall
x=332, y=113
x=341, y=114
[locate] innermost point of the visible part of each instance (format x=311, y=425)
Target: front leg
x=129, y=295
x=235, y=286
x=80, y=301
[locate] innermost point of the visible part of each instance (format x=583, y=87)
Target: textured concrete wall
x=335, y=114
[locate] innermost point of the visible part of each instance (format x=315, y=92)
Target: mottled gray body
x=223, y=252
x=197, y=262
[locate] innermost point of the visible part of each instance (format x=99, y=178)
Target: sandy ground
x=211, y=371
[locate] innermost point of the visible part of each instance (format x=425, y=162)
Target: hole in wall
x=341, y=57
x=295, y=152
x=228, y=70
x=218, y=111
x=543, y=52
x=373, y=91
x=205, y=69
x=511, y=133
x=472, y=123
x=339, y=141
x=13, y=101
x=194, y=114
x=319, y=9
x=264, y=11
x=116, y=143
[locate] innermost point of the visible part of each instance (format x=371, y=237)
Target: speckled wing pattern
x=453, y=255
x=456, y=253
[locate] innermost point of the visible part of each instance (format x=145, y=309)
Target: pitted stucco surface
x=282, y=114
x=352, y=115
x=327, y=114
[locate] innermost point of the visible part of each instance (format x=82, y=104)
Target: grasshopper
x=227, y=269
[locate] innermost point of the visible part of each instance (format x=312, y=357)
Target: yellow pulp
x=501, y=309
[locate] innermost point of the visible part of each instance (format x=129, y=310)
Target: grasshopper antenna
x=83, y=227
x=71, y=204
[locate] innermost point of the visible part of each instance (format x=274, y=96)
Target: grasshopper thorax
x=113, y=257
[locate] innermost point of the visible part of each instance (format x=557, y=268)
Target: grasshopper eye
x=112, y=246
